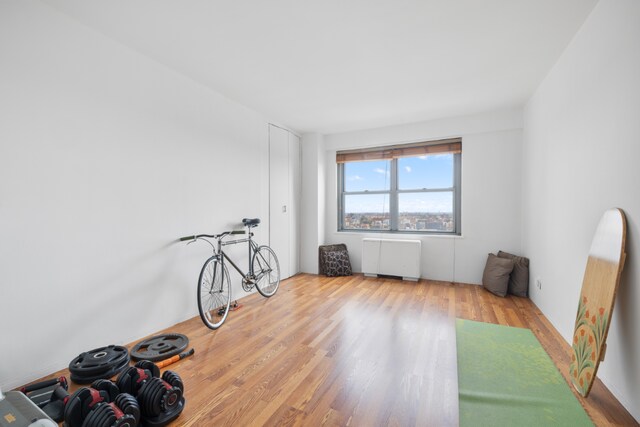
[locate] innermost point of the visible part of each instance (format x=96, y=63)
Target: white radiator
x=391, y=257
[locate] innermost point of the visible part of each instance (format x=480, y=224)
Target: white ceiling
x=335, y=65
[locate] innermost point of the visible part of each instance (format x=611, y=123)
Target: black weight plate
x=98, y=361
x=88, y=379
x=159, y=347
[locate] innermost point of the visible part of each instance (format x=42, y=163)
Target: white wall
x=491, y=156
x=580, y=157
x=106, y=158
x=312, y=203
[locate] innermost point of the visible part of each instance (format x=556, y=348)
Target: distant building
x=412, y=221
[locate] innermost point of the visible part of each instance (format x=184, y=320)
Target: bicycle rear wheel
x=214, y=293
x=266, y=270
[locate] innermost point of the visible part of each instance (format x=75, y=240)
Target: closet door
x=279, y=208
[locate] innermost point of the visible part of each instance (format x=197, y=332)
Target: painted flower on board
x=590, y=339
x=593, y=319
x=586, y=315
x=581, y=332
x=601, y=310
x=593, y=356
x=584, y=300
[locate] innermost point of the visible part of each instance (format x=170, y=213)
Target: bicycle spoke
x=266, y=271
x=214, y=293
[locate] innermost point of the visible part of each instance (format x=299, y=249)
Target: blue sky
x=434, y=171
x=372, y=176
x=425, y=172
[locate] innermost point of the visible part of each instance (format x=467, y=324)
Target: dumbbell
x=101, y=405
x=160, y=398
x=122, y=412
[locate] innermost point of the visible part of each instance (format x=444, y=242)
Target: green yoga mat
x=505, y=378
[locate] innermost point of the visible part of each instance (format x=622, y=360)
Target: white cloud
x=354, y=178
x=436, y=156
x=381, y=171
x=408, y=169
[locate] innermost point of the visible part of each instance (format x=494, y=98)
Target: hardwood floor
x=351, y=351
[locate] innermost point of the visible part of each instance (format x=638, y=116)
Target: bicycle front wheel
x=266, y=271
x=214, y=293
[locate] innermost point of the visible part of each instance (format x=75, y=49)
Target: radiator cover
x=392, y=257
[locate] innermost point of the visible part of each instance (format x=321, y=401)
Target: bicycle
x=214, y=285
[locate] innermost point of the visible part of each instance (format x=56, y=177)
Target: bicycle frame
x=253, y=246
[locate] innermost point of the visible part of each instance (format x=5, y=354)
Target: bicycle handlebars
x=218, y=236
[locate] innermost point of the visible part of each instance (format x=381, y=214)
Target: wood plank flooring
x=351, y=351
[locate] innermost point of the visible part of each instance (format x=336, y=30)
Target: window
x=412, y=188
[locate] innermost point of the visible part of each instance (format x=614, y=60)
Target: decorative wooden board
x=599, y=286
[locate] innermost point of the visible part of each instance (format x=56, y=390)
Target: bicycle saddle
x=250, y=222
